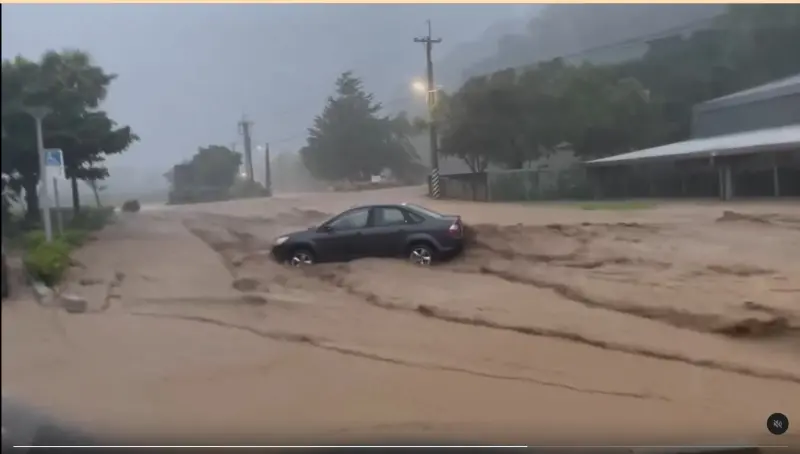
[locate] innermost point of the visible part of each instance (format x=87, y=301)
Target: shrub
x=75, y=238
x=48, y=261
x=31, y=240
x=92, y=218
x=245, y=189
x=131, y=206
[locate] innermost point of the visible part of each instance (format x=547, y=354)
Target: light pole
x=39, y=113
x=431, y=93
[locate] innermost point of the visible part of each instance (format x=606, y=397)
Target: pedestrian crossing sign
x=54, y=161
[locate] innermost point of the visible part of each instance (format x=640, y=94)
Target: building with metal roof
x=786, y=138
x=743, y=144
x=766, y=106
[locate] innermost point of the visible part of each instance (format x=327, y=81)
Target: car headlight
x=280, y=240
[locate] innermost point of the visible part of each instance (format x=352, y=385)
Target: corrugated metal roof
x=781, y=87
x=773, y=139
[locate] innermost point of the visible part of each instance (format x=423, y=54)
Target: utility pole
x=429, y=41
x=39, y=113
x=267, y=171
x=245, y=128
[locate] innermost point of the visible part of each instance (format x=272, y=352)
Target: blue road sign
x=53, y=157
x=54, y=161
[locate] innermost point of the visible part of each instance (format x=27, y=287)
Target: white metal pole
x=59, y=214
x=44, y=200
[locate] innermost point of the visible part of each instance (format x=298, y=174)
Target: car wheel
x=421, y=254
x=301, y=257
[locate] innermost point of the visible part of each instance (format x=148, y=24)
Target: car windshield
x=425, y=211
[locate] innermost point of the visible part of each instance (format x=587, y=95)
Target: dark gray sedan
x=421, y=235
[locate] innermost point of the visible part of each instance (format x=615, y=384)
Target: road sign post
x=59, y=214
x=53, y=162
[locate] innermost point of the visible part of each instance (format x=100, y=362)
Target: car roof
x=378, y=205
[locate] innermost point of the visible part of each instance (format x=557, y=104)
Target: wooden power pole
x=429, y=41
x=245, y=128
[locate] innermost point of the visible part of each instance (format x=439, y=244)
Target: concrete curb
x=44, y=295
x=47, y=297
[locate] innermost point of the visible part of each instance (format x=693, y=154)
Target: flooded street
x=676, y=324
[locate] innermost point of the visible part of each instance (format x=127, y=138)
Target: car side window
x=414, y=217
x=356, y=219
x=388, y=217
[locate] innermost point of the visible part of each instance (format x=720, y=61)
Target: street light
x=431, y=95
x=39, y=113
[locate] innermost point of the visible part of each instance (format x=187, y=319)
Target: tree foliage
x=73, y=88
x=514, y=116
x=211, y=175
x=215, y=166
x=350, y=140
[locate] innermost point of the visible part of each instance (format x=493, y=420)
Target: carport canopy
x=785, y=138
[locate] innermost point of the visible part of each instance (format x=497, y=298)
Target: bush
x=245, y=189
x=92, y=218
x=131, y=206
x=75, y=238
x=48, y=261
x=31, y=240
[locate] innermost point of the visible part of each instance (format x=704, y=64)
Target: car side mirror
x=325, y=228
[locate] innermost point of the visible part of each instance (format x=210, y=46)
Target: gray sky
x=188, y=72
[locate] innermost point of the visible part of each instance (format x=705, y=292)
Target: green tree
x=511, y=116
x=215, y=166
x=73, y=88
x=464, y=128
x=350, y=140
x=748, y=46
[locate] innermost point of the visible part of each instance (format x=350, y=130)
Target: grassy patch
x=626, y=205
x=49, y=261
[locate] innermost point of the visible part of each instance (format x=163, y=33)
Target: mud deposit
x=626, y=326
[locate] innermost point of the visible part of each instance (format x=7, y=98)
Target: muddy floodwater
x=675, y=324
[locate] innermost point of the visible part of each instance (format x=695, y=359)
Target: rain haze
x=587, y=234
x=188, y=73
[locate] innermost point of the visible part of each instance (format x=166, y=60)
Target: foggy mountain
x=599, y=33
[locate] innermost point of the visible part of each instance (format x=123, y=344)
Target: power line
x=634, y=40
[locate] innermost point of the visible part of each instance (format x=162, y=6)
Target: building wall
x=768, y=113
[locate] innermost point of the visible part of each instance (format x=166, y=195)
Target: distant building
x=767, y=106
x=746, y=144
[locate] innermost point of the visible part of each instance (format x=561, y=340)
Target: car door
x=386, y=233
x=338, y=240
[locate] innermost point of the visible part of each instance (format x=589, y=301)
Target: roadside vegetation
x=48, y=261
x=213, y=174
x=71, y=88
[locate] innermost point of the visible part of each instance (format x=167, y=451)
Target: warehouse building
x=745, y=144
